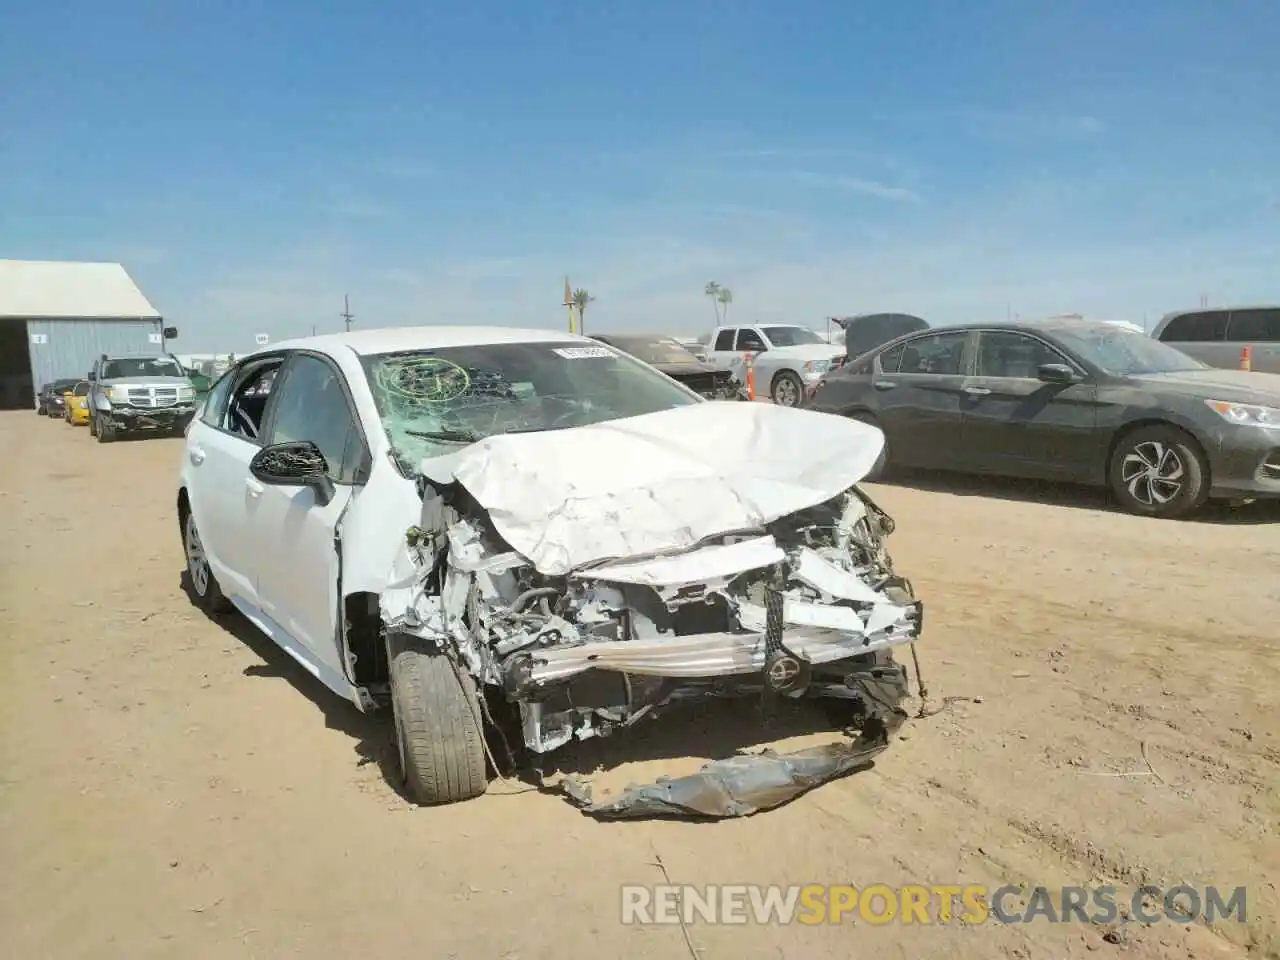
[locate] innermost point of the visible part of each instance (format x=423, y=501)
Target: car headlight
x=817, y=367
x=118, y=394
x=1246, y=414
x=186, y=394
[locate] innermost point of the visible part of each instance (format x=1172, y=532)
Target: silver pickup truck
x=129, y=394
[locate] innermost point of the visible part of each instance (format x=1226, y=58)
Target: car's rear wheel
x=439, y=734
x=787, y=390
x=204, y=585
x=1159, y=471
x=881, y=467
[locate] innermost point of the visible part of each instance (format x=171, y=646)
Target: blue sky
x=251, y=163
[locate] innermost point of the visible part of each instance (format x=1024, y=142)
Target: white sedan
x=463, y=523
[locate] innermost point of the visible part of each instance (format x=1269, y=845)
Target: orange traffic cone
x=1246, y=357
x=748, y=359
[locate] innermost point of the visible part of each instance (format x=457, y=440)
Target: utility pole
x=313, y=329
x=346, y=313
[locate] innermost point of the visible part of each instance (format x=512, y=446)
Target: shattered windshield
x=1125, y=353
x=431, y=401
x=141, y=367
x=791, y=336
x=654, y=349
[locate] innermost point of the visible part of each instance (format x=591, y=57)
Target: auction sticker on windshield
x=583, y=353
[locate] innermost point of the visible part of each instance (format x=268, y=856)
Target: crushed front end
x=808, y=607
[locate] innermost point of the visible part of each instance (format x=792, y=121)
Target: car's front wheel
x=787, y=390
x=1159, y=471
x=204, y=585
x=439, y=734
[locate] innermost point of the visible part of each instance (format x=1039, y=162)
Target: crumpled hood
x=657, y=483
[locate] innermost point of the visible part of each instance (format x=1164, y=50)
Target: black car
x=1068, y=400
x=49, y=402
x=677, y=362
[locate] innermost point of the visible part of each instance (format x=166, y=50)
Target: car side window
x=748, y=339
x=215, y=403
x=941, y=354
x=891, y=359
x=1254, y=326
x=310, y=404
x=1005, y=354
x=246, y=409
x=724, y=340
x=1204, y=327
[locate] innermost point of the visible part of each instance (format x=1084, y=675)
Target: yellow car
x=76, y=404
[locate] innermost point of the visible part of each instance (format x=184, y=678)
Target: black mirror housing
x=297, y=463
x=1056, y=373
x=170, y=333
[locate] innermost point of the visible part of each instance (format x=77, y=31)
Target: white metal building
x=56, y=317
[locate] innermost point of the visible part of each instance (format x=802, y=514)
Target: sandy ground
x=172, y=786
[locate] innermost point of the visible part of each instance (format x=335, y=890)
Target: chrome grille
x=150, y=398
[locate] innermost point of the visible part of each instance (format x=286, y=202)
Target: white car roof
x=397, y=339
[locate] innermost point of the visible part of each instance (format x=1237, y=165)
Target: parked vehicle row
x=124, y=395
x=1069, y=400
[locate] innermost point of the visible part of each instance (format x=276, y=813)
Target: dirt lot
x=173, y=786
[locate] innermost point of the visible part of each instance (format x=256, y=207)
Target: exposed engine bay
x=801, y=609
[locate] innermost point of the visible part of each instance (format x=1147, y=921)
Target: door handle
x=196, y=455
x=976, y=391
x=253, y=486
x=884, y=384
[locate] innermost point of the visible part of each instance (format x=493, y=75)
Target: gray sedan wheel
x=1159, y=471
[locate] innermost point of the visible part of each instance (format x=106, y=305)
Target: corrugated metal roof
x=40, y=289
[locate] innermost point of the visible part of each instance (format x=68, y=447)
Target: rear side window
x=1204, y=327
x=941, y=354
x=215, y=403
x=724, y=340
x=890, y=359
x=1254, y=326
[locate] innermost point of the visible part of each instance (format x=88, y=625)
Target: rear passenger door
x=1257, y=328
x=1017, y=425
x=917, y=390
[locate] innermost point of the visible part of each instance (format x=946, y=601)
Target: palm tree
x=713, y=291
x=724, y=297
x=580, y=300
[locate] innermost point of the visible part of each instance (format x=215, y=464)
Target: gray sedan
x=1068, y=400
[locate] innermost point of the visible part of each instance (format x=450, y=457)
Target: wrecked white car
x=464, y=522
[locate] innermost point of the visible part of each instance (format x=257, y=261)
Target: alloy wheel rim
x=197, y=563
x=1153, y=473
x=786, y=393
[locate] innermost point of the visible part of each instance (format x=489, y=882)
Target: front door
x=1015, y=424
x=298, y=568
x=917, y=400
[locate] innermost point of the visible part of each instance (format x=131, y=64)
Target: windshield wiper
x=449, y=436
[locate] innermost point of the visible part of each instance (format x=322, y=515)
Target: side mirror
x=170, y=333
x=91, y=376
x=1056, y=373
x=296, y=463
